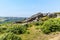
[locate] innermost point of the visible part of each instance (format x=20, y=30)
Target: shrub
x=28, y=32
x=2, y=29
x=28, y=25
x=10, y=36
x=38, y=23
x=17, y=30
x=51, y=25
x=44, y=18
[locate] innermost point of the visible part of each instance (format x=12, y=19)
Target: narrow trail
x=56, y=37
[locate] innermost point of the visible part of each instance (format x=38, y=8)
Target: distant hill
x=11, y=19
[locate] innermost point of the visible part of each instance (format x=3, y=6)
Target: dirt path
x=56, y=37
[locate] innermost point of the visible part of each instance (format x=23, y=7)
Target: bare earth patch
x=57, y=37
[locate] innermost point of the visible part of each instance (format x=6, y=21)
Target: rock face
x=52, y=15
x=58, y=14
x=40, y=15
x=36, y=17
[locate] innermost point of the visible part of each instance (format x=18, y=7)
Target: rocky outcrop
x=34, y=17
x=39, y=15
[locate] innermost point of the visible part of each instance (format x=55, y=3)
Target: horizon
x=26, y=8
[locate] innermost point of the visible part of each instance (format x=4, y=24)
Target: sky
x=26, y=8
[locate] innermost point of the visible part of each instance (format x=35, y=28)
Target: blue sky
x=26, y=8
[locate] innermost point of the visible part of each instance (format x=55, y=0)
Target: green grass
x=31, y=31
